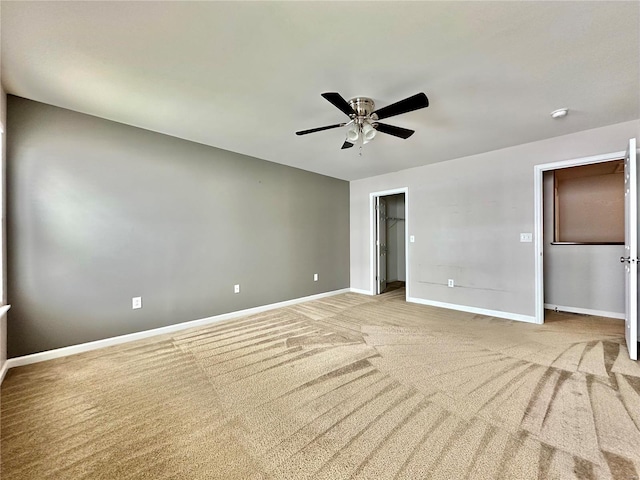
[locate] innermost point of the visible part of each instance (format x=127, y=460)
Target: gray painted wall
x=100, y=212
x=467, y=215
x=580, y=276
x=3, y=296
x=395, y=238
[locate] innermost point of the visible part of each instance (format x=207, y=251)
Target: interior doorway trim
x=372, y=236
x=538, y=218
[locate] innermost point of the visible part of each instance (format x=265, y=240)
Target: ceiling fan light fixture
x=353, y=133
x=368, y=132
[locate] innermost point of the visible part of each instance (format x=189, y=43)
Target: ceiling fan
x=363, y=124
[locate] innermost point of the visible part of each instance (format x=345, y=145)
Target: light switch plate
x=526, y=237
x=236, y=289
x=315, y=277
x=412, y=239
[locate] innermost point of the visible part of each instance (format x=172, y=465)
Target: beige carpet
x=345, y=387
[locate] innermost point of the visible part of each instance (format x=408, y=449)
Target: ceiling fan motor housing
x=363, y=106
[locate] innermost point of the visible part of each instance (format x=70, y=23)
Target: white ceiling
x=244, y=76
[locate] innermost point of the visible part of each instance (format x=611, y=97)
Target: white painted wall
x=467, y=214
x=587, y=277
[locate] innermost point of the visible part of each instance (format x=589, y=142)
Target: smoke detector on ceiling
x=561, y=112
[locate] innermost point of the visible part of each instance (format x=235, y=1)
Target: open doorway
x=389, y=241
x=583, y=236
x=623, y=276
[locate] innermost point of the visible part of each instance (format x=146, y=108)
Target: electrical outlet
x=236, y=289
x=315, y=277
x=136, y=302
x=451, y=283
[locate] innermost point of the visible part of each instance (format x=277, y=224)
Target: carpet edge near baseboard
x=132, y=337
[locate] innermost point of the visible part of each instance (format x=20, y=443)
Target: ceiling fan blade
x=410, y=104
x=319, y=129
x=346, y=145
x=339, y=102
x=395, y=131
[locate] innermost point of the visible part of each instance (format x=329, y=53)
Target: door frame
x=538, y=218
x=372, y=236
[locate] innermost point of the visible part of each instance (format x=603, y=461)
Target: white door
x=630, y=259
x=381, y=244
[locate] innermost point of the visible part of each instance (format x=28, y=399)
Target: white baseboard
x=3, y=372
x=481, y=311
x=584, y=311
x=4, y=367
x=360, y=291
x=107, y=342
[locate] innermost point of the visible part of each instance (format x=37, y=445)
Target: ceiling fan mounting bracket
x=363, y=106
